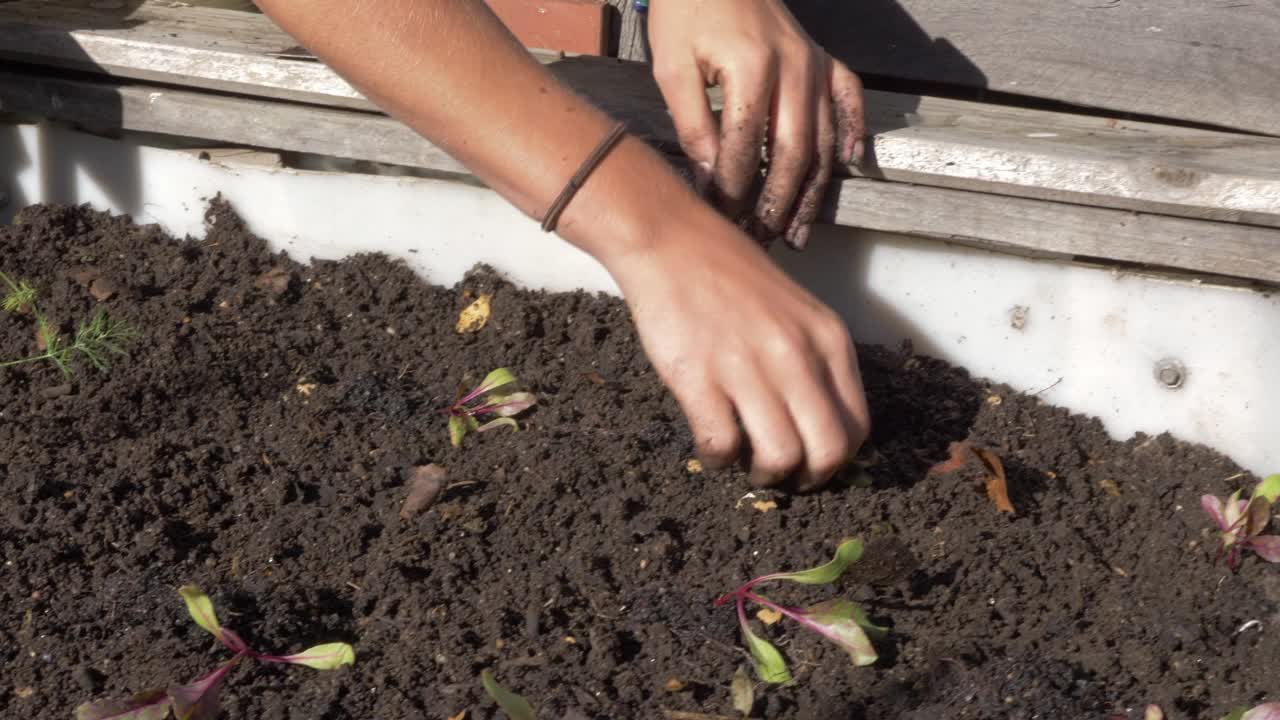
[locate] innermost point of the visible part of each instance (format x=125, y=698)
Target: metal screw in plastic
x=1170, y=373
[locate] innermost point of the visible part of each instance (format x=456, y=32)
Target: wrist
x=627, y=205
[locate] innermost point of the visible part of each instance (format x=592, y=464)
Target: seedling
x=1241, y=523
x=199, y=700
x=1266, y=711
x=496, y=398
x=97, y=338
x=839, y=620
x=514, y=706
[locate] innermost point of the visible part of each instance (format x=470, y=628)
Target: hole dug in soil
x=258, y=442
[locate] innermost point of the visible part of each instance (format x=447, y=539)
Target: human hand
x=781, y=91
x=731, y=335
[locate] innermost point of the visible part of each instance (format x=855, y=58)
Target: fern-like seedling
x=19, y=295
x=97, y=339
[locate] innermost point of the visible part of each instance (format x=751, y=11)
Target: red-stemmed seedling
x=495, y=398
x=1266, y=711
x=839, y=620
x=1241, y=523
x=199, y=700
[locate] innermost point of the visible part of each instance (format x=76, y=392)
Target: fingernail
x=798, y=239
x=859, y=151
x=701, y=178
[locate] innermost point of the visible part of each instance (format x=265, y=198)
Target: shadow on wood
x=62, y=172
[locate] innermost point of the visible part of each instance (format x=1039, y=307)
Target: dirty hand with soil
x=781, y=91
x=729, y=333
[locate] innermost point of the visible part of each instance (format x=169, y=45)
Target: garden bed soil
x=258, y=439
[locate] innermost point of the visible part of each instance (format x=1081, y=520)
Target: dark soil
x=258, y=439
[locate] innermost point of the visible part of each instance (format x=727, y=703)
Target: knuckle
x=779, y=458
x=784, y=346
x=831, y=334
x=831, y=455
x=719, y=447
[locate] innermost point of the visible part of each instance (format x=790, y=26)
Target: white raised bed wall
x=1088, y=338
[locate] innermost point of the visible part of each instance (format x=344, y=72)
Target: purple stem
x=794, y=613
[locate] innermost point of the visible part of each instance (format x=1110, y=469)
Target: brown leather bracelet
x=579, y=178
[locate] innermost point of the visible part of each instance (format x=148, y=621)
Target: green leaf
x=146, y=705
x=842, y=622
x=849, y=552
x=743, y=692
x=516, y=707
x=329, y=656
x=200, y=607
x=499, y=378
x=1237, y=714
x=459, y=426
x=457, y=429
x=497, y=423
x=768, y=661
x=1269, y=488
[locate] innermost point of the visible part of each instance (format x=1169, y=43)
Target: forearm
x=452, y=72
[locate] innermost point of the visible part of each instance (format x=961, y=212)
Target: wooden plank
x=106, y=107
x=1039, y=227
x=1203, y=61
x=1017, y=224
x=1075, y=158
x=945, y=143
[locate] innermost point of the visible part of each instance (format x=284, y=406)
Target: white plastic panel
x=1092, y=337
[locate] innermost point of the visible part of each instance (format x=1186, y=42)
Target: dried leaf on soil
x=460, y=716
x=425, y=484
x=693, y=466
x=997, y=487
x=767, y=616
x=764, y=506
x=673, y=685
x=957, y=453
x=474, y=316
x=743, y=692
x=102, y=289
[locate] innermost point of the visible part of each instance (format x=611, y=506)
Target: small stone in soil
x=275, y=281
x=102, y=289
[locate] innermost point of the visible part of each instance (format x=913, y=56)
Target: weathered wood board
x=1021, y=225
x=1054, y=229
x=1203, y=61
x=928, y=141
